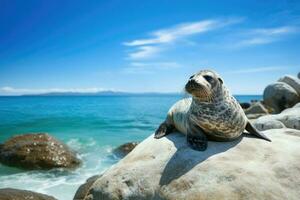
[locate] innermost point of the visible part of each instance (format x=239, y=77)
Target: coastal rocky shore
x=37, y=151
x=247, y=168
x=167, y=169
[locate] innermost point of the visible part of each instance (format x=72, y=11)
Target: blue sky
x=145, y=46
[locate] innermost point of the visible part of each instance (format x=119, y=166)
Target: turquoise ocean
x=91, y=125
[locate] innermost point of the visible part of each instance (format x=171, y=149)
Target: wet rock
x=37, y=151
x=125, y=149
x=280, y=96
x=15, y=194
x=245, y=105
x=84, y=188
x=167, y=169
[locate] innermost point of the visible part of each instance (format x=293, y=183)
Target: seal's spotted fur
x=211, y=113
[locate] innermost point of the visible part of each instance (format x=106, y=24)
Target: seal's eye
x=208, y=78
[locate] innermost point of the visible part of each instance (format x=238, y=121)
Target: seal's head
x=204, y=85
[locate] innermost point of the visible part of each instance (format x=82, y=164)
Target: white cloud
x=257, y=69
x=178, y=31
x=265, y=36
x=20, y=91
x=275, y=31
x=144, y=52
x=148, y=47
x=164, y=65
x=150, y=67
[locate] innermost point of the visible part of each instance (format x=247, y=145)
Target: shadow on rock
x=185, y=158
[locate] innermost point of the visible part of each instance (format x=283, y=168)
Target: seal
x=212, y=113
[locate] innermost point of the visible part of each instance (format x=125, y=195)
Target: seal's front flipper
x=196, y=138
x=163, y=130
x=254, y=131
x=197, y=142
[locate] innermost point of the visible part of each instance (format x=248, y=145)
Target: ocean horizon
x=92, y=126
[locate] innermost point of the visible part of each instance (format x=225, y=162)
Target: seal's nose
x=192, y=82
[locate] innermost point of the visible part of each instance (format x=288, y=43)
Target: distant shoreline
x=109, y=93
x=114, y=95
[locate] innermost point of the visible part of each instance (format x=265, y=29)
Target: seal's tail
x=255, y=132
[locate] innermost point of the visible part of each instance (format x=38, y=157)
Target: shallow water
x=92, y=126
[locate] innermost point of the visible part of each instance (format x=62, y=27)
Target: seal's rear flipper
x=163, y=130
x=255, y=132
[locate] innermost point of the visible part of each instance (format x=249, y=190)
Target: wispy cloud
x=265, y=35
x=258, y=69
x=143, y=52
x=147, y=47
x=150, y=67
x=18, y=91
x=171, y=34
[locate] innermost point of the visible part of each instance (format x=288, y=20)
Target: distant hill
x=102, y=93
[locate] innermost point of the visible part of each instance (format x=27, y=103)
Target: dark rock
x=279, y=96
x=83, y=190
x=125, y=149
x=245, y=105
x=299, y=75
x=15, y=194
x=37, y=151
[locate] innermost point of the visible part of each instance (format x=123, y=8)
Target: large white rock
x=279, y=96
x=289, y=118
x=292, y=81
x=166, y=168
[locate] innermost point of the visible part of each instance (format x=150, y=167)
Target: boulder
x=83, y=190
x=167, y=168
x=280, y=96
x=289, y=118
x=268, y=122
x=15, y=194
x=256, y=110
x=291, y=81
x=37, y=151
x=124, y=149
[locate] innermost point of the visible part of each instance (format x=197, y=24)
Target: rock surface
x=125, y=149
x=280, y=96
x=84, y=188
x=247, y=168
x=256, y=110
x=15, y=194
x=37, y=151
x=289, y=118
